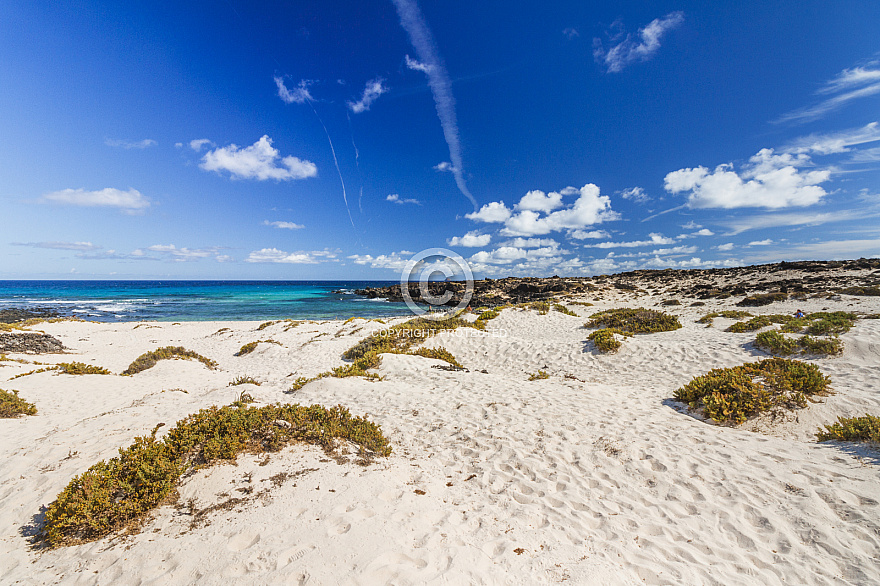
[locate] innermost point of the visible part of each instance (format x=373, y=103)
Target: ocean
x=111, y=301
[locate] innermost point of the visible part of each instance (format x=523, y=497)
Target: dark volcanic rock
x=9, y=316
x=29, y=343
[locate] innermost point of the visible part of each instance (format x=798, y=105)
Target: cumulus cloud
x=703, y=232
x=493, y=212
x=131, y=144
x=130, y=201
x=259, y=161
x=273, y=255
x=284, y=225
x=80, y=246
x=538, y=201
x=444, y=167
x=767, y=181
x=725, y=247
x=636, y=194
x=847, y=86
x=396, y=260
x=198, y=143
x=298, y=95
x=395, y=198
x=836, y=142
x=766, y=242
x=372, y=91
x=471, y=240
x=639, y=47
x=588, y=234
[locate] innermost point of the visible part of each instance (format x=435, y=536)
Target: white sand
x=594, y=481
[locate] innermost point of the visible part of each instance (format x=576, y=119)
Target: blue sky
x=212, y=140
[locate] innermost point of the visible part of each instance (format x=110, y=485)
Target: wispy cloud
x=636, y=194
x=284, y=225
x=260, y=161
x=767, y=181
x=80, y=246
x=444, y=167
x=835, y=142
x=744, y=223
x=438, y=79
x=654, y=239
x=198, y=143
x=131, y=201
x=570, y=33
x=639, y=47
x=273, y=255
x=298, y=95
x=470, y=240
x=395, y=198
x=130, y=144
x=847, y=86
x=374, y=89
x=183, y=254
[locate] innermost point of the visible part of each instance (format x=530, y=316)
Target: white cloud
x=538, y=201
x=395, y=260
x=591, y=234
x=530, y=242
x=258, y=161
x=417, y=65
x=493, y=212
x=768, y=180
x=589, y=208
x=471, y=240
x=81, y=246
x=422, y=40
x=284, y=225
x=395, y=198
x=725, y=247
x=129, y=201
x=508, y=254
x=829, y=250
x=654, y=239
x=298, y=95
x=636, y=194
x=198, y=143
x=744, y=223
x=636, y=48
x=691, y=225
x=703, y=232
x=837, y=142
x=182, y=254
x=223, y=258
x=131, y=144
x=273, y=255
x=848, y=85
x=766, y=242
x=444, y=167
x=372, y=91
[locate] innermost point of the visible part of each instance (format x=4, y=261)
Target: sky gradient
x=335, y=140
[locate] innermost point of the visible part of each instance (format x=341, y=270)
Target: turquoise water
x=198, y=300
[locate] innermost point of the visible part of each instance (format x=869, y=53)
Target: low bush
x=756, y=323
x=119, y=492
x=735, y=394
x=150, y=359
x=244, y=380
x=863, y=291
x=80, y=368
x=635, y=321
x=540, y=375
x=563, y=309
x=247, y=349
x=11, y=405
x=837, y=322
x=402, y=337
x=775, y=343
x=440, y=353
x=762, y=299
x=604, y=339
x=729, y=314
x=852, y=429
x=830, y=346
x=542, y=307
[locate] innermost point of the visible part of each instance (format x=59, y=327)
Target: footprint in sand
x=243, y=541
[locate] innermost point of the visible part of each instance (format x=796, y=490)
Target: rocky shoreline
x=798, y=278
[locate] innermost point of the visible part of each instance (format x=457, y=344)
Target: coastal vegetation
x=118, y=493
x=627, y=322
x=80, y=368
x=732, y=395
x=729, y=314
x=762, y=299
x=244, y=380
x=11, y=405
x=852, y=429
x=150, y=359
x=540, y=375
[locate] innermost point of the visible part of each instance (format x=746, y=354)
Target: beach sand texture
x=592, y=476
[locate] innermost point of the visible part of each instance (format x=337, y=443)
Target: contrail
x=335, y=162
x=357, y=157
x=438, y=79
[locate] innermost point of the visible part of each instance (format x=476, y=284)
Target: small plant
x=244, y=398
x=735, y=394
x=829, y=346
x=762, y=299
x=583, y=303
x=265, y=325
x=80, y=368
x=540, y=375
x=439, y=353
x=120, y=492
x=563, y=309
x=604, y=340
x=756, y=323
x=247, y=348
x=37, y=371
x=729, y=314
x=635, y=321
x=150, y=359
x=542, y=307
x=775, y=343
x=852, y=429
x=244, y=380
x=837, y=322
x=299, y=383
x=11, y=405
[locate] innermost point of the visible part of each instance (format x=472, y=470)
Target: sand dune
x=592, y=476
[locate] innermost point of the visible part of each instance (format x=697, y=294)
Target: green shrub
x=265, y=325
x=795, y=325
x=150, y=359
x=734, y=394
x=830, y=346
x=402, y=337
x=762, y=299
x=635, y=321
x=775, y=343
x=247, y=348
x=440, y=353
x=563, y=309
x=542, y=307
x=837, y=322
x=540, y=375
x=604, y=339
x=119, y=492
x=489, y=314
x=866, y=291
x=244, y=380
x=583, y=303
x=80, y=368
x=852, y=429
x=730, y=314
x=11, y=405
x=756, y=323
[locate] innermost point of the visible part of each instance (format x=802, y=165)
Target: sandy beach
x=594, y=475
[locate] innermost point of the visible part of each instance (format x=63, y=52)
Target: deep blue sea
x=198, y=300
